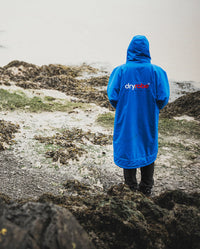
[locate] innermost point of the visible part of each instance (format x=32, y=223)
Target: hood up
x=138, y=49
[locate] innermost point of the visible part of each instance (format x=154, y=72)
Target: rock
x=17, y=63
x=28, y=85
x=170, y=198
x=124, y=219
x=118, y=218
x=7, y=130
x=40, y=226
x=183, y=222
x=184, y=105
x=59, y=77
x=98, y=81
x=74, y=185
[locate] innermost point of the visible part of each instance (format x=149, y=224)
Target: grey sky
x=70, y=32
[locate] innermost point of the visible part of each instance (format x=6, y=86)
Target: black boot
x=130, y=179
x=147, y=180
x=145, y=190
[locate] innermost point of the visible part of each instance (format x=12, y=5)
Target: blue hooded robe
x=138, y=90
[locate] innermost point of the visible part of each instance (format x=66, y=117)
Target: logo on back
x=135, y=86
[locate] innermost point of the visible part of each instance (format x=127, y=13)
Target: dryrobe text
x=135, y=86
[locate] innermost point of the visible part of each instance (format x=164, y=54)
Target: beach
x=56, y=136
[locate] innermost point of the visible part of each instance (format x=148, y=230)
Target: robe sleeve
x=162, y=88
x=113, y=87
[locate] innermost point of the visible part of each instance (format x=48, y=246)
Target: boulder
x=116, y=219
x=185, y=105
x=124, y=219
x=39, y=226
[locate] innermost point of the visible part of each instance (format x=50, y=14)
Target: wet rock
x=7, y=130
x=24, y=70
x=20, y=71
x=73, y=71
x=118, y=218
x=170, y=198
x=184, y=105
x=7, y=83
x=38, y=226
x=58, y=77
x=98, y=97
x=183, y=227
x=98, y=81
x=28, y=85
x=76, y=188
x=121, y=218
x=65, y=79
x=17, y=63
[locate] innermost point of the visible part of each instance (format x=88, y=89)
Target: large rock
x=39, y=226
x=184, y=105
x=124, y=219
x=116, y=219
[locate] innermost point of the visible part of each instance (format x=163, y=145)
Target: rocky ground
x=116, y=219
x=56, y=138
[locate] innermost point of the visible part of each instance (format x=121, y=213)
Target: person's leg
x=147, y=180
x=130, y=178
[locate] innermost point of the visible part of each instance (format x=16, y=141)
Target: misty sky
x=70, y=32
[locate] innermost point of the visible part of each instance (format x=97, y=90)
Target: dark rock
x=183, y=226
x=17, y=63
x=65, y=79
x=59, y=77
x=98, y=81
x=124, y=219
x=170, y=198
x=40, y=226
x=75, y=185
x=118, y=218
x=7, y=130
x=184, y=105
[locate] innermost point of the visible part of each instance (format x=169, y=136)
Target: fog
x=99, y=31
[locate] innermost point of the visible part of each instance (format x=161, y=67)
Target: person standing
x=138, y=90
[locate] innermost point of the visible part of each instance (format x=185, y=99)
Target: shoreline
x=57, y=86
x=58, y=178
